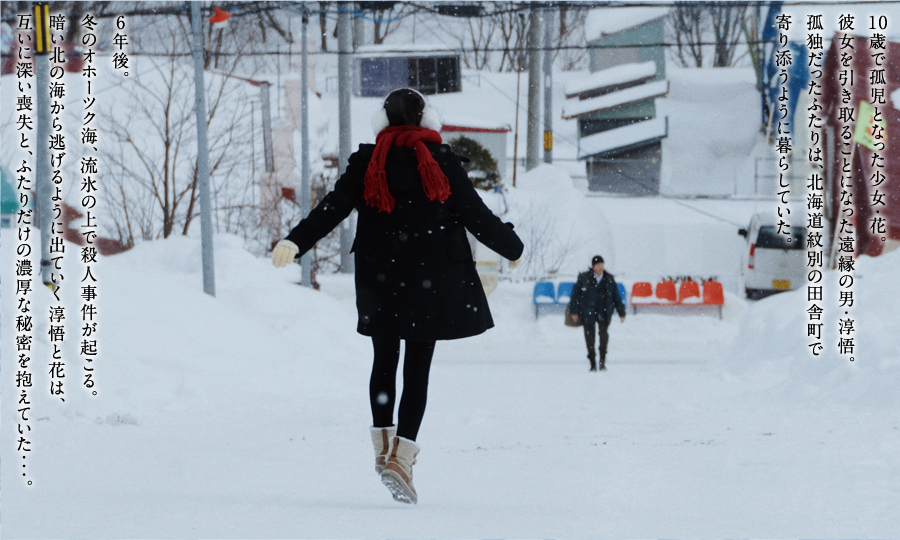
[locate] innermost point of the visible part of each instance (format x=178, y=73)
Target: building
x=619, y=130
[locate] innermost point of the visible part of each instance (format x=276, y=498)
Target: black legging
x=382, y=384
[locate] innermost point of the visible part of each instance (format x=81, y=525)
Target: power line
x=677, y=200
x=449, y=49
x=237, y=9
x=362, y=15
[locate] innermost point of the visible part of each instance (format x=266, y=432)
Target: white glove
x=284, y=252
x=513, y=264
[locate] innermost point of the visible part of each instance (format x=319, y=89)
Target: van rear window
x=770, y=239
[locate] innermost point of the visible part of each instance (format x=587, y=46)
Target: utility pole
x=533, y=128
x=43, y=187
x=345, y=83
x=266, y=110
x=548, y=86
x=306, y=258
x=516, y=136
x=359, y=28
x=209, y=278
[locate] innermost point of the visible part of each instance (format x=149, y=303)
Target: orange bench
x=688, y=293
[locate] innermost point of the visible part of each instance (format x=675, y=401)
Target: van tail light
x=750, y=260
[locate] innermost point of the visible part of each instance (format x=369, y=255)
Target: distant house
x=619, y=131
x=428, y=69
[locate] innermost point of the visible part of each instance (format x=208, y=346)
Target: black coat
x=415, y=277
x=593, y=301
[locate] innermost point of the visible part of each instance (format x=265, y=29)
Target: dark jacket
x=415, y=277
x=593, y=301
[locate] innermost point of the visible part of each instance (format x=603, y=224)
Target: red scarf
x=434, y=181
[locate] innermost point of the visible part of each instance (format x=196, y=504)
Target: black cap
x=596, y=259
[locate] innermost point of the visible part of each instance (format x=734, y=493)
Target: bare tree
x=694, y=25
x=151, y=153
x=387, y=21
x=686, y=24
x=546, y=251
x=323, y=24
x=571, y=33
x=476, y=43
x=727, y=22
x=513, y=28
x=73, y=11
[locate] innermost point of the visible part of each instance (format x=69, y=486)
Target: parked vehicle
x=774, y=260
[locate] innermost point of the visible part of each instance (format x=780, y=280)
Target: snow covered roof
x=476, y=109
x=613, y=76
x=615, y=99
x=623, y=137
x=611, y=20
x=405, y=49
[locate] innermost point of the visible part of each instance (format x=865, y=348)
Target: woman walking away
x=415, y=277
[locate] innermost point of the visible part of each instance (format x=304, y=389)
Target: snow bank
x=700, y=103
x=771, y=352
x=547, y=208
x=642, y=239
x=548, y=179
x=166, y=346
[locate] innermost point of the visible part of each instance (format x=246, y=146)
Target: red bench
x=689, y=294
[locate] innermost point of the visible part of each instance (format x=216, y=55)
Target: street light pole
x=209, y=278
x=548, y=86
x=345, y=82
x=306, y=258
x=533, y=126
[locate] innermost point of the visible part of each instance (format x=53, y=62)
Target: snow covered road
x=247, y=417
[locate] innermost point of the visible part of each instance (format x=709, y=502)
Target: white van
x=773, y=262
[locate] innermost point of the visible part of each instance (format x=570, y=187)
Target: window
x=436, y=75
x=769, y=238
x=381, y=75
x=423, y=75
x=448, y=75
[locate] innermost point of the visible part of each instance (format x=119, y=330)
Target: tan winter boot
x=397, y=474
x=381, y=440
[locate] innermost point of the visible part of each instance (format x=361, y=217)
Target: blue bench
x=564, y=292
x=544, y=294
x=547, y=294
